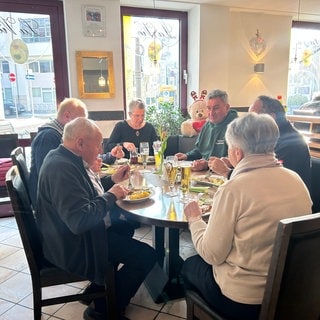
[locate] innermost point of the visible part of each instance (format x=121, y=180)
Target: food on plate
x=198, y=189
x=212, y=180
x=205, y=208
x=216, y=180
x=108, y=170
x=139, y=194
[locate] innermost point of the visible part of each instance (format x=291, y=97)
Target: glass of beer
x=185, y=180
x=171, y=167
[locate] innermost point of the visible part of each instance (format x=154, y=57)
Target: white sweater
x=238, y=239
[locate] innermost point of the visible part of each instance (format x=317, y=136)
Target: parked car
x=10, y=108
x=311, y=108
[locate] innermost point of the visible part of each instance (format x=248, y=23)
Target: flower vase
x=159, y=162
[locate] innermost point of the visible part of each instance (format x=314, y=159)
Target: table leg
x=166, y=284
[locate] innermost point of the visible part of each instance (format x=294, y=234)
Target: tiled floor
x=16, y=289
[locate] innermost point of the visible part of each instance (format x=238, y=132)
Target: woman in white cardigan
x=234, y=248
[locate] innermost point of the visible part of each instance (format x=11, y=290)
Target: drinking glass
x=144, y=152
x=185, y=180
x=171, y=167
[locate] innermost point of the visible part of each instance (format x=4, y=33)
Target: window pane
x=26, y=49
x=152, y=59
x=304, y=68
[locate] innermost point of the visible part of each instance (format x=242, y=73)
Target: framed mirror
x=95, y=74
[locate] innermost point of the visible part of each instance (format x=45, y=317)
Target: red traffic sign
x=12, y=77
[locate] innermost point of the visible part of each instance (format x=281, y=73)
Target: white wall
x=218, y=56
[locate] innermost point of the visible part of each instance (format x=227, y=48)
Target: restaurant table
x=166, y=216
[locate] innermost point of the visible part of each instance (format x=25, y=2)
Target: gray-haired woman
x=234, y=248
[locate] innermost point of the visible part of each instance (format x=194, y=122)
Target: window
x=35, y=30
x=304, y=65
x=155, y=55
x=37, y=61
x=5, y=67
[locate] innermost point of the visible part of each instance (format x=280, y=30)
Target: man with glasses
x=211, y=140
x=291, y=149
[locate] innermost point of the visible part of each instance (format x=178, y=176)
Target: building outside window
x=304, y=66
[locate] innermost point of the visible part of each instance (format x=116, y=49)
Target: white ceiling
x=302, y=10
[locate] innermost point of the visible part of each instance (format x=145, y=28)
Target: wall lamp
x=258, y=68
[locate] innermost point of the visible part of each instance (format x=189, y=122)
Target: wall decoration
x=93, y=21
x=95, y=74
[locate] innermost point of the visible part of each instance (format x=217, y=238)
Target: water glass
x=144, y=152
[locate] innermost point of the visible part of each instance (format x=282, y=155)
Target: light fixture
x=258, y=68
x=257, y=44
x=101, y=80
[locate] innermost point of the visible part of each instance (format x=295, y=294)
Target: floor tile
x=16, y=288
x=71, y=311
x=134, y=312
x=5, y=306
x=16, y=261
x=18, y=312
x=16, y=300
x=7, y=251
x=176, y=308
x=164, y=316
x=143, y=299
x=6, y=274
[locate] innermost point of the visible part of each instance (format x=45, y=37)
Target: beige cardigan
x=238, y=239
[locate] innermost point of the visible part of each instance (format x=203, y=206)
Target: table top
x=160, y=209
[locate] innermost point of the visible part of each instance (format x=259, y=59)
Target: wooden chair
x=44, y=274
x=292, y=288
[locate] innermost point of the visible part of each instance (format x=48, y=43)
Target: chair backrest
x=19, y=160
x=25, y=219
x=293, y=283
x=8, y=142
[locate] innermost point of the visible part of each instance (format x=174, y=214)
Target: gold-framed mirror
x=95, y=74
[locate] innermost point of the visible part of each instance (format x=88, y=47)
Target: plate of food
x=122, y=161
x=150, y=160
x=205, y=204
x=139, y=195
x=109, y=170
x=211, y=180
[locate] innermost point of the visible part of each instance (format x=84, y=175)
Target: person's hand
x=119, y=191
x=121, y=174
x=199, y=165
x=192, y=211
x=226, y=161
x=219, y=166
x=96, y=167
x=129, y=146
x=181, y=156
x=117, y=152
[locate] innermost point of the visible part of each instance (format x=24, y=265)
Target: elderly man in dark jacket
x=78, y=219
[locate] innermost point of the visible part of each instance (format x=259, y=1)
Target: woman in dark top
x=129, y=133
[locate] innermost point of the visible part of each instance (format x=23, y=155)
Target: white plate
x=122, y=161
x=210, y=181
x=127, y=199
